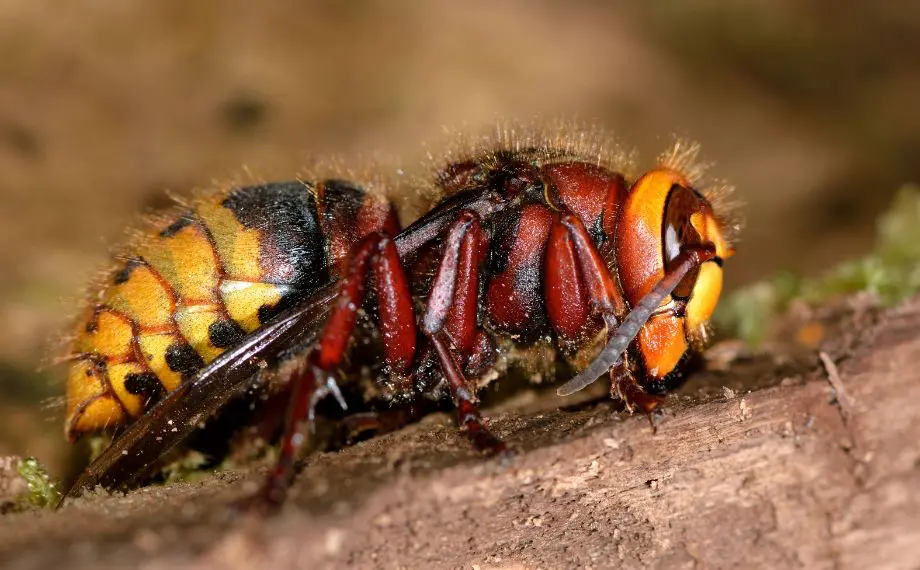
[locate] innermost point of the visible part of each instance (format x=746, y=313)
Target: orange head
x=662, y=214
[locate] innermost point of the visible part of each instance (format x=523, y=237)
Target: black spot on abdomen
x=266, y=312
x=224, y=334
x=147, y=386
x=182, y=358
x=124, y=273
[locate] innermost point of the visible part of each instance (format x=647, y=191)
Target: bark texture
x=788, y=474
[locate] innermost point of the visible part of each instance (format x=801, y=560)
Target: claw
x=332, y=387
x=329, y=386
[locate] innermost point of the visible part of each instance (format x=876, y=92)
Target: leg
x=468, y=415
x=623, y=386
x=690, y=257
x=450, y=322
x=603, y=295
x=317, y=377
x=579, y=286
x=310, y=384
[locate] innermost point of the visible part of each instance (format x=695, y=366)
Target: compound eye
x=672, y=243
x=678, y=231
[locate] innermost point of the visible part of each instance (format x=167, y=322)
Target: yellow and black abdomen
x=197, y=286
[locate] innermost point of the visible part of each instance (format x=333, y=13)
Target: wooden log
x=780, y=477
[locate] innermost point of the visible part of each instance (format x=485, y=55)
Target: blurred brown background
x=809, y=109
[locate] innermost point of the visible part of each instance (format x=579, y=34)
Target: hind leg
x=316, y=377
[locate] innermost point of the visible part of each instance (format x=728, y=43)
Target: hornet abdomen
x=196, y=285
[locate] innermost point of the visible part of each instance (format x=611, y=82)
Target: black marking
x=147, y=386
x=92, y=325
x=125, y=272
x=182, y=358
x=266, y=312
x=175, y=227
x=142, y=383
x=504, y=229
x=293, y=247
x=596, y=231
x=344, y=195
x=224, y=334
x=342, y=202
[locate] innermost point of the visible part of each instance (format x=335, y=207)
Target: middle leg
x=450, y=323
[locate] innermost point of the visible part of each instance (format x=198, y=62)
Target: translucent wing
x=138, y=449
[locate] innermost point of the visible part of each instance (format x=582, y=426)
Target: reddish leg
x=578, y=287
x=468, y=415
x=450, y=322
x=603, y=295
x=316, y=379
x=623, y=386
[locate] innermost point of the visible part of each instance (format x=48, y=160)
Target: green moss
x=190, y=467
x=891, y=272
x=746, y=313
x=43, y=490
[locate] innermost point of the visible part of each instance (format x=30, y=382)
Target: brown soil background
x=809, y=110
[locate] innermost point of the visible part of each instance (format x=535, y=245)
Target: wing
x=167, y=424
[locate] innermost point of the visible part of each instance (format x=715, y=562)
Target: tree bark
x=795, y=475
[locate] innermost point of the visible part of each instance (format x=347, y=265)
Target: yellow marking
x=650, y=194
x=705, y=295
x=243, y=300
x=707, y=226
x=663, y=343
x=153, y=348
x=101, y=413
x=186, y=261
x=142, y=298
x=110, y=339
x=84, y=384
x=194, y=322
x=237, y=245
x=118, y=373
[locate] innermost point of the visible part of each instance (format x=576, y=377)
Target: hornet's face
x=662, y=215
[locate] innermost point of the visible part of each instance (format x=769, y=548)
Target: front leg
x=579, y=291
x=623, y=386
